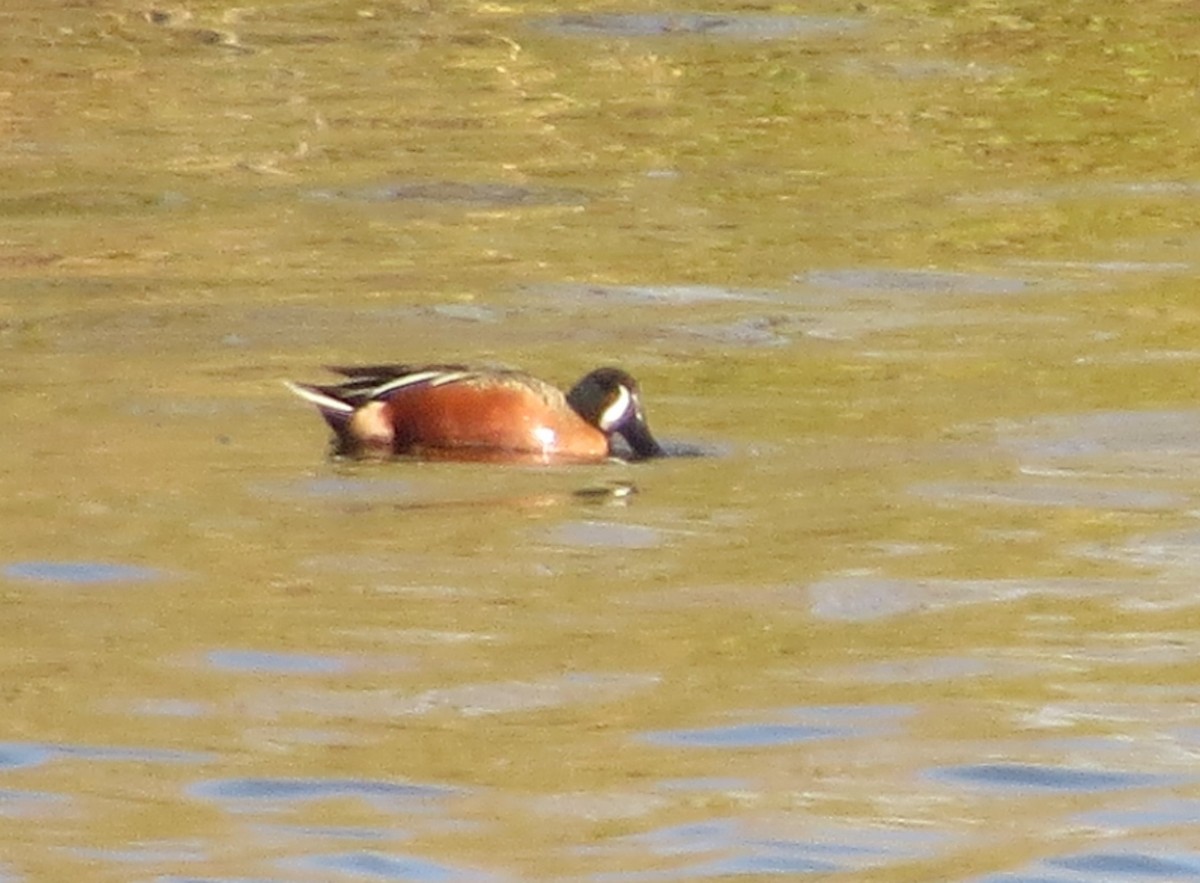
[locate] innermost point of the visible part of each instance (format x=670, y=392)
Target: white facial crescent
x=613, y=414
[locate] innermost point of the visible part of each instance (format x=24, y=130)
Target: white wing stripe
x=432, y=378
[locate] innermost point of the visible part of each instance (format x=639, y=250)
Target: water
x=910, y=293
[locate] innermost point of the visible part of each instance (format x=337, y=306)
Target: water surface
x=918, y=282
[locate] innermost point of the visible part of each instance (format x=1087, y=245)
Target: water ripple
x=731, y=26
x=916, y=281
x=736, y=847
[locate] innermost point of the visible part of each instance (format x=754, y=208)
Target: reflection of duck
x=452, y=412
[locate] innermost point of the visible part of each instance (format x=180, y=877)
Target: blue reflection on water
x=1157, y=813
x=745, y=865
x=262, y=790
x=140, y=755
x=23, y=804
x=78, y=573
x=801, y=725
x=279, y=663
x=175, y=852
x=379, y=866
x=335, y=832
x=732, y=847
x=709, y=783
x=742, y=736
x=14, y=755
x=1111, y=866
x=214, y=880
x=1044, y=778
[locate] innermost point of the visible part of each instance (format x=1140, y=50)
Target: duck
x=458, y=412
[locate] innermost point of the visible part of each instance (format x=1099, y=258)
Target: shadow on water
x=356, y=493
x=373, y=482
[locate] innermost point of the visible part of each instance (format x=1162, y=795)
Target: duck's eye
x=616, y=410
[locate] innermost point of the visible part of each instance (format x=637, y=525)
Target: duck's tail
x=337, y=412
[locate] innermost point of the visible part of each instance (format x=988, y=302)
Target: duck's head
x=610, y=400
